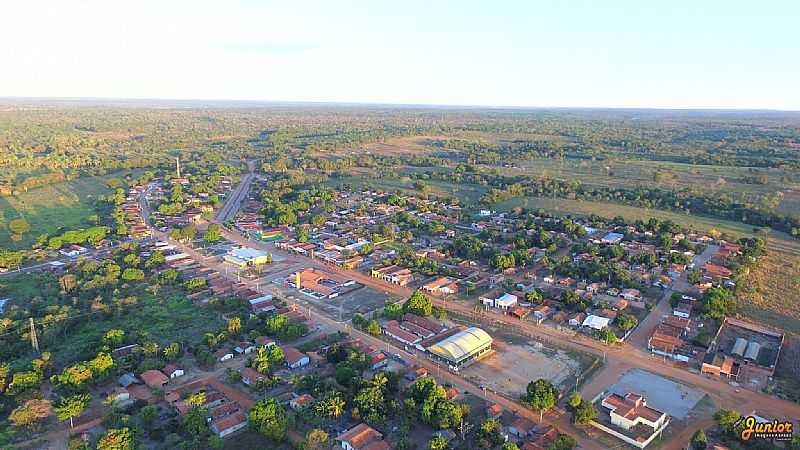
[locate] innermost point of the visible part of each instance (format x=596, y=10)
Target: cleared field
x=775, y=297
x=608, y=210
x=787, y=374
x=511, y=367
x=466, y=193
x=49, y=208
x=632, y=173
x=407, y=145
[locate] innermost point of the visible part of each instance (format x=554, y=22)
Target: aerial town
x=393, y=320
x=261, y=225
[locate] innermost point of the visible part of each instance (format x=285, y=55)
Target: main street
x=236, y=196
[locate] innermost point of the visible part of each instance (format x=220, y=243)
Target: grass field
x=167, y=317
x=619, y=172
x=775, y=283
x=606, y=209
x=50, y=208
x=466, y=193
x=632, y=173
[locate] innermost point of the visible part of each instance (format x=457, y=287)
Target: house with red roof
x=154, y=379
x=362, y=437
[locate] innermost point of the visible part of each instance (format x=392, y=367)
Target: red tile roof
x=360, y=436
x=154, y=378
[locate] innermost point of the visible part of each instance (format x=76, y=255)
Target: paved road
x=237, y=196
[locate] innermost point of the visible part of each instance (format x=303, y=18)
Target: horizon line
x=108, y=100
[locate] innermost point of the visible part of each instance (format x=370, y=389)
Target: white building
x=295, y=359
x=631, y=419
x=596, y=322
x=504, y=302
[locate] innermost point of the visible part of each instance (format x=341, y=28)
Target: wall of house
x=627, y=439
x=233, y=429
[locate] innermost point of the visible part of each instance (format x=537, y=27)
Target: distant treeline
x=753, y=209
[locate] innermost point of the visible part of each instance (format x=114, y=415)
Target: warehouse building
x=463, y=347
x=243, y=257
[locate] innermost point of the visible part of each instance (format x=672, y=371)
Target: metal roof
x=462, y=344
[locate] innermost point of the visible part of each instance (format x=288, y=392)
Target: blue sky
x=670, y=54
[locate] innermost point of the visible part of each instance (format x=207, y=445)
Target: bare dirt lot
x=513, y=366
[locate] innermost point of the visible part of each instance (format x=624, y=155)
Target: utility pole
x=34, y=339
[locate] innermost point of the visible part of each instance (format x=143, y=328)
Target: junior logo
x=753, y=428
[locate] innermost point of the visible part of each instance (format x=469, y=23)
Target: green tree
x=261, y=361
x=584, y=413
x=19, y=226
x=213, y=233
x=75, y=375
x=574, y=399
x=726, y=419
x=510, y=446
x=148, y=414
x=541, y=395
x=275, y=355
x=491, y=432
x=24, y=381
x=302, y=235
x=562, y=442
x=317, y=439
x=114, y=337
x=438, y=443
x=131, y=274
x=370, y=403
x=195, y=284
x=10, y=260
x=534, y=296
x=155, y=260
x=172, y=351
x=606, y=335
x=332, y=405
x=269, y=418
x=418, y=304
x=117, y=439
x=132, y=260
x=699, y=440
x=718, y=302
x=694, y=276
x=373, y=328
x=194, y=422
x=626, y=321
x=234, y=326
x=5, y=371
x=101, y=364
x=70, y=407
x=216, y=442
x=198, y=399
